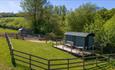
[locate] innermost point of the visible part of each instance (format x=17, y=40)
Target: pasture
x=42, y=49
x=15, y=22
x=39, y=49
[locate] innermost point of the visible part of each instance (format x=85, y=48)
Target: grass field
x=39, y=49
x=2, y=30
x=14, y=22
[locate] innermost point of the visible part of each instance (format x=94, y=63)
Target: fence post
x=52, y=44
x=109, y=59
x=21, y=36
x=56, y=42
x=96, y=61
x=60, y=42
x=16, y=36
x=83, y=62
x=46, y=41
x=11, y=50
x=30, y=62
x=48, y=64
x=68, y=64
x=13, y=59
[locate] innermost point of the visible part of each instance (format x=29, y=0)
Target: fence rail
x=13, y=35
x=30, y=60
x=60, y=64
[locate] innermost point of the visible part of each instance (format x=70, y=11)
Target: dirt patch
x=41, y=41
x=38, y=41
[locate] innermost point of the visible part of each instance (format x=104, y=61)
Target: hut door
x=90, y=42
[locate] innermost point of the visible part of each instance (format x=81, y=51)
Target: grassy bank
x=2, y=30
x=15, y=22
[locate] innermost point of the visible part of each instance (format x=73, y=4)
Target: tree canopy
x=81, y=16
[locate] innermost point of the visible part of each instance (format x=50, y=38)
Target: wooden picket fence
x=36, y=62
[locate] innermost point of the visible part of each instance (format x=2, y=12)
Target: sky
x=14, y=5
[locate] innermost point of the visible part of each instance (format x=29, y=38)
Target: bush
x=109, y=27
x=14, y=22
x=51, y=36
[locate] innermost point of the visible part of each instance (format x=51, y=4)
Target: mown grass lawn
x=5, y=62
x=39, y=49
x=2, y=30
x=44, y=50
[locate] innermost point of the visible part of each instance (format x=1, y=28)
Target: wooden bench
x=69, y=43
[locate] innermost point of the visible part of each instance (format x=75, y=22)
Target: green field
x=14, y=22
x=2, y=30
x=40, y=49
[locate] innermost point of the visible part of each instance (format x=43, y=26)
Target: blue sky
x=14, y=5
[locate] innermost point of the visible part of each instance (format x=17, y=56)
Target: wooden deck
x=73, y=51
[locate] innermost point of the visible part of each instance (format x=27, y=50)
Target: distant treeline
x=3, y=14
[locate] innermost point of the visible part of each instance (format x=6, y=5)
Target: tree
x=20, y=14
x=109, y=28
x=55, y=20
x=81, y=16
x=95, y=27
x=102, y=19
x=45, y=18
x=34, y=10
x=64, y=12
x=3, y=14
x=103, y=27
